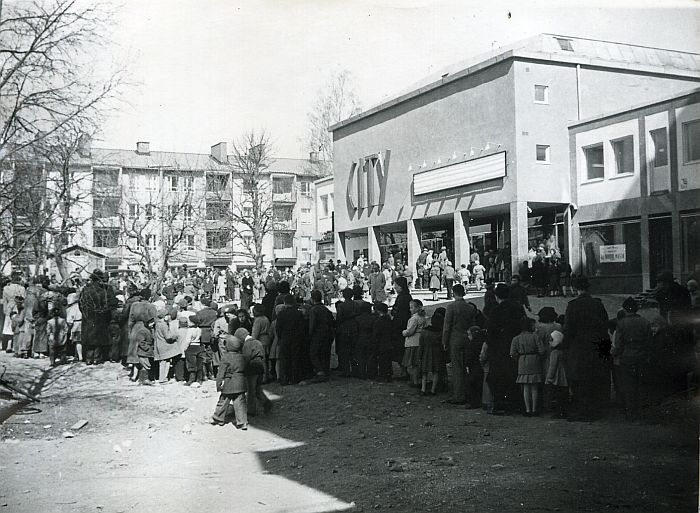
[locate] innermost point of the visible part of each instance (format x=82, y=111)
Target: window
x=187, y=182
x=305, y=187
x=282, y=185
x=189, y=242
x=623, y=150
x=248, y=212
x=691, y=141
x=595, y=168
x=305, y=243
x=283, y=240
x=105, y=178
x=565, y=44
x=660, y=142
x=133, y=210
x=105, y=207
x=150, y=211
x=690, y=243
x=187, y=212
x=217, y=183
x=217, y=239
x=105, y=237
x=541, y=94
x=217, y=210
x=305, y=216
x=150, y=242
x=542, y=153
x=151, y=182
x=324, y=205
x=171, y=181
x=611, y=249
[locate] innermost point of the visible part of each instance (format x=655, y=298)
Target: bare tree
x=251, y=195
x=336, y=101
x=51, y=95
x=161, y=225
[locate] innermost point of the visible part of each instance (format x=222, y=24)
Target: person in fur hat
x=231, y=382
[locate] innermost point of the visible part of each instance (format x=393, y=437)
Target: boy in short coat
x=231, y=382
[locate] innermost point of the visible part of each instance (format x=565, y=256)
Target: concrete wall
x=544, y=124
x=450, y=120
x=606, y=90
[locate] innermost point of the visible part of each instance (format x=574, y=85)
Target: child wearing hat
x=231, y=382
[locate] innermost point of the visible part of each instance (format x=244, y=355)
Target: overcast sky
x=208, y=70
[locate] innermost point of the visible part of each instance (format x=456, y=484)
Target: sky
x=205, y=71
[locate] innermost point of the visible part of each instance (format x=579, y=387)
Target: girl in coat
x=165, y=346
x=556, y=375
x=231, y=382
x=412, y=333
x=435, y=280
x=261, y=332
x=432, y=354
x=529, y=350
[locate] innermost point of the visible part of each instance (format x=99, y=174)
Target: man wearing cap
x=586, y=342
x=97, y=301
x=254, y=356
x=459, y=317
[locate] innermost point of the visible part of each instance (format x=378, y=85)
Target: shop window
x=691, y=141
x=541, y=94
x=611, y=249
x=660, y=142
x=623, y=150
x=595, y=162
x=542, y=153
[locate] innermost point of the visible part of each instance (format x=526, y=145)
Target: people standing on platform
x=449, y=274
x=435, y=280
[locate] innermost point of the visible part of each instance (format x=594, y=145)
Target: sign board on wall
x=459, y=174
x=613, y=253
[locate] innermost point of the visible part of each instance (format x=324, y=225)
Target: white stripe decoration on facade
x=461, y=173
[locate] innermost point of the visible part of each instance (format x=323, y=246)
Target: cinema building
x=479, y=155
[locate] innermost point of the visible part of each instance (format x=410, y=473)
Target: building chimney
x=220, y=152
x=84, y=146
x=143, y=148
x=313, y=156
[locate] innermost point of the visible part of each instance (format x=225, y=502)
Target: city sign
x=366, y=187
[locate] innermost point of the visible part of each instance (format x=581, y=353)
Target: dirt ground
x=345, y=445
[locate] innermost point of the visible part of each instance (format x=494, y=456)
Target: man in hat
x=321, y=334
x=587, y=344
x=97, y=301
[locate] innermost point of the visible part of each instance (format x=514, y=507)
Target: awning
x=285, y=262
x=218, y=262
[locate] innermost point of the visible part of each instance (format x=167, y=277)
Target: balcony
x=107, y=191
x=284, y=225
x=284, y=197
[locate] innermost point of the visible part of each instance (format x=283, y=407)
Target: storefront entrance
x=437, y=239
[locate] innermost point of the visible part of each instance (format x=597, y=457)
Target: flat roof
x=557, y=49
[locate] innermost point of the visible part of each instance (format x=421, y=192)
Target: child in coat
x=411, y=355
x=474, y=372
x=57, y=331
x=432, y=354
x=231, y=382
x=141, y=335
x=529, y=350
x=556, y=375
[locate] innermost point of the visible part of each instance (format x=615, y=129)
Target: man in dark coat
x=321, y=333
x=588, y=349
x=502, y=325
x=459, y=317
x=97, y=301
x=400, y=314
x=346, y=331
x=289, y=330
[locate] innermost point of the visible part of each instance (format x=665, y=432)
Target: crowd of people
x=251, y=328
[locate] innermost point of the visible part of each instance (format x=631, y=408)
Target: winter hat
x=161, y=313
x=547, y=314
x=557, y=338
x=241, y=333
